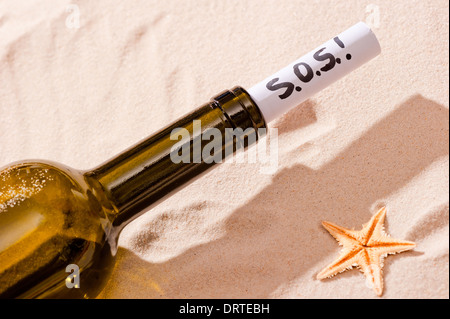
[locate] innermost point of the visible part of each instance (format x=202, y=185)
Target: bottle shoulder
x=27, y=179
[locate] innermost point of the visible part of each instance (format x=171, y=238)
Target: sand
x=80, y=91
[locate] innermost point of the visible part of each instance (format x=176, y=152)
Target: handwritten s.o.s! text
x=305, y=73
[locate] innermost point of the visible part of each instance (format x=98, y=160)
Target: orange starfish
x=366, y=249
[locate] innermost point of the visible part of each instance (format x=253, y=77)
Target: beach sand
x=80, y=91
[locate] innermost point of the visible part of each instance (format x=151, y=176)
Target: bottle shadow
x=277, y=236
x=297, y=118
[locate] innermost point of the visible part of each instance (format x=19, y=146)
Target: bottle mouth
x=241, y=111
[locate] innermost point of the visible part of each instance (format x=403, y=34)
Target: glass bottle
x=52, y=216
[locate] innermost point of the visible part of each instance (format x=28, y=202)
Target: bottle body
x=52, y=217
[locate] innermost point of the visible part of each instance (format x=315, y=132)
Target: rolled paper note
x=315, y=71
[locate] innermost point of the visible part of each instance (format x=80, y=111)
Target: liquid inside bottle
x=50, y=218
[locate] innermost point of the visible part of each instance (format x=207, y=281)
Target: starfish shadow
x=387, y=265
x=264, y=249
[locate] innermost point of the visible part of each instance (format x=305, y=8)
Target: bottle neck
x=152, y=170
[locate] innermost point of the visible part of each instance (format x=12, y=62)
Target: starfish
x=365, y=249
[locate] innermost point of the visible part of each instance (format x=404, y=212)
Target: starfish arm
x=371, y=265
x=374, y=228
x=345, y=237
x=386, y=245
x=346, y=261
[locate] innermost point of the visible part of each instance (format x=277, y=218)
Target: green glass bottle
x=53, y=216
x=59, y=227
